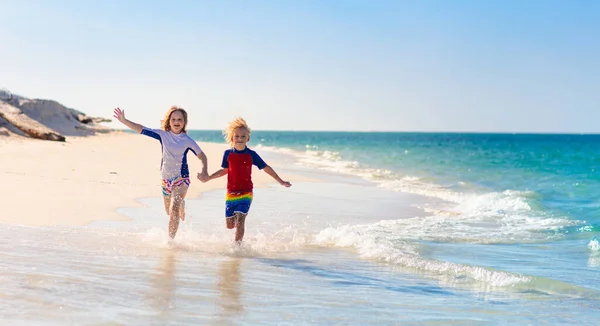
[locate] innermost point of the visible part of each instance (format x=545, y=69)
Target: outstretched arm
x=218, y=174
x=120, y=115
x=272, y=173
x=203, y=176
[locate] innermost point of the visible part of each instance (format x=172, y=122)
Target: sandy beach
x=49, y=183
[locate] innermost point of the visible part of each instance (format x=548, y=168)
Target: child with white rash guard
x=174, y=171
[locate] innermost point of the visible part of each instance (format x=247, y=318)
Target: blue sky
x=498, y=66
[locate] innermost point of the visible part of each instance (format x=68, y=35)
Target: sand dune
x=44, y=119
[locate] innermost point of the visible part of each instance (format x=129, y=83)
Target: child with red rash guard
x=237, y=165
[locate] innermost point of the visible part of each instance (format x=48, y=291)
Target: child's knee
x=175, y=208
x=230, y=223
x=239, y=219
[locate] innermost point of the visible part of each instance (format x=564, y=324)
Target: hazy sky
x=511, y=66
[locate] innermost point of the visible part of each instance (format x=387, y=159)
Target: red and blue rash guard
x=239, y=163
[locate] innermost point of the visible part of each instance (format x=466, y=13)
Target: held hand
x=286, y=184
x=203, y=177
x=119, y=115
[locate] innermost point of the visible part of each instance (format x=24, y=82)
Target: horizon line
x=416, y=132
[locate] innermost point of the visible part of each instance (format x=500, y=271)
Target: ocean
x=397, y=228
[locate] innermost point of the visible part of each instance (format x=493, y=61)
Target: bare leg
x=167, y=200
x=182, y=210
x=230, y=222
x=240, y=221
x=177, y=197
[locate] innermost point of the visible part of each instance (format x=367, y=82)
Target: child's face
x=240, y=138
x=177, y=122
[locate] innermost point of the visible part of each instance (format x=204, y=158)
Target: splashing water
x=594, y=245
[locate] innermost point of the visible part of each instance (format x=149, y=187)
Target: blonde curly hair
x=165, y=123
x=234, y=124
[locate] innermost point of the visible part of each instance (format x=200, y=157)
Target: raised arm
x=272, y=173
x=120, y=115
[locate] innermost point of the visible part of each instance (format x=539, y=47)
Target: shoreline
x=88, y=178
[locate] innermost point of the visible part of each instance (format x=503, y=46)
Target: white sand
x=87, y=178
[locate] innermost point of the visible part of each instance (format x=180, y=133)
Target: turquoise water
x=556, y=175
x=513, y=211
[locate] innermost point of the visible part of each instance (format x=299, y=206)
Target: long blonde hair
x=165, y=123
x=232, y=126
